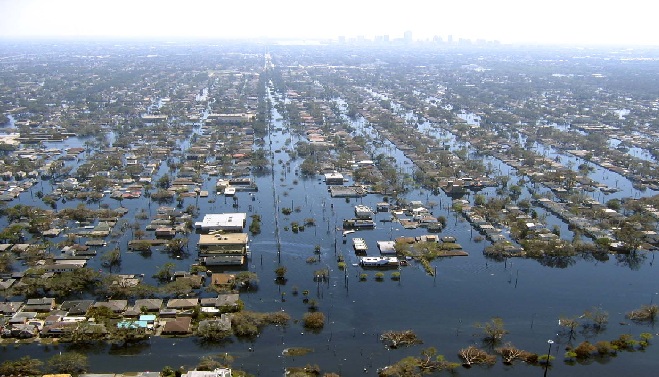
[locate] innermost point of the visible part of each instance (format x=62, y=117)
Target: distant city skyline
x=572, y=22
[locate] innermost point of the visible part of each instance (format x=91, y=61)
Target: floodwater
x=528, y=295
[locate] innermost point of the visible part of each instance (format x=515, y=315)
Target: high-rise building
x=407, y=37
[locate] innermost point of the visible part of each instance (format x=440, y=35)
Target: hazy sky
x=508, y=21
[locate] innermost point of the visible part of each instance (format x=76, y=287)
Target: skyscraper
x=407, y=37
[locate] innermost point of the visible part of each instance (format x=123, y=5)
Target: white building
x=334, y=178
x=218, y=372
x=229, y=222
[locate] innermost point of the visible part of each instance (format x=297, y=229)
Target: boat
x=229, y=191
x=346, y=232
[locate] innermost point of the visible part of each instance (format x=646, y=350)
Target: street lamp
x=550, y=342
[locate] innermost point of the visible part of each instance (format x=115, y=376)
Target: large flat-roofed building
x=228, y=222
x=232, y=118
x=223, y=249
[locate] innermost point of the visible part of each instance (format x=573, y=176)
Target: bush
x=585, y=350
x=314, y=320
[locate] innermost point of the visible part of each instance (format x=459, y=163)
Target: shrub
x=314, y=320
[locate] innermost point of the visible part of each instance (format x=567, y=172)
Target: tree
x=87, y=332
x=68, y=362
x=510, y=353
x=493, y=331
x=479, y=200
x=585, y=350
x=176, y=245
x=165, y=273
x=630, y=235
x=472, y=355
x=6, y=262
x=255, y=226
x=395, y=339
x=599, y=318
x=212, y=330
x=314, y=320
x=209, y=363
x=246, y=279
x=646, y=313
x=164, y=182
x=126, y=334
x=247, y=323
x=112, y=258
x=178, y=288
x=569, y=326
x=280, y=273
x=25, y=366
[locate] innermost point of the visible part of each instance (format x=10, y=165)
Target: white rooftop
x=214, y=221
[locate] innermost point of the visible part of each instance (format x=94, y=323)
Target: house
x=382, y=207
x=40, y=305
x=59, y=328
x=228, y=300
x=10, y=308
x=334, y=178
x=24, y=331
x=165, y=231
x=53, y=318
x=223, y=279
x=182, y=303
x=22, y=317
x=148, y=304
x=387, y=247
x=6, y=283
x=116, y=306
x=65, y=266
x=77, y=307
x=179, y=326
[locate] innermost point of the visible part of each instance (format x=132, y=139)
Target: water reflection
x=634, y=261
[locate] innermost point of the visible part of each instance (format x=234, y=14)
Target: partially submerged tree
x=472, y=355
x=314, y=320
x=493, y=331
x=510, y=353
x=598, y=317
x=569, y=327
x=646, y=313
x=395, y=339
